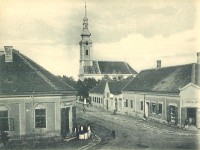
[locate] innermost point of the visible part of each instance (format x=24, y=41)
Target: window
x=153, y=107
x=4, y=119
x=126, y=103
x=86, y=52
x=141, y=105
x=40, y=116
x=159, y=108
x=131, y=103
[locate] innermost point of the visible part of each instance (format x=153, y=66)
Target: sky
x=136, y=31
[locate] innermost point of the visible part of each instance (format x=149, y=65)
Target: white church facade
x=91, y=68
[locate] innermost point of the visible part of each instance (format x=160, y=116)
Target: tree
x=83, y=87
x=69, y=80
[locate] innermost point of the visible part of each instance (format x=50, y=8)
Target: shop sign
x=191, y=103
x=64, y=105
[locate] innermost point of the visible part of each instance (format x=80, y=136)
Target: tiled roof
x=23, y=76
x=168, y=79
x=115, y=87
x=99, y=88
x=115, y=67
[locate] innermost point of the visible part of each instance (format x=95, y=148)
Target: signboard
x=64, y=105
x=191, y=103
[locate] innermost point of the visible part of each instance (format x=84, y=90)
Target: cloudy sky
x=137, y=31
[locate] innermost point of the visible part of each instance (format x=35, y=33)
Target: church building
x=91, y=68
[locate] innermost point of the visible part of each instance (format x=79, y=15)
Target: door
x=191, y=115
x=147, y=109
x=64, y=121
x=116, y=105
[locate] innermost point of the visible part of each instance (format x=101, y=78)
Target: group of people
x=82, y=130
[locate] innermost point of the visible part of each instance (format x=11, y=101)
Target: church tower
x=85, y=46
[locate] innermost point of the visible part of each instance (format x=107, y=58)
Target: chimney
x=8, y=53
x=158, y=64
x=198, y=58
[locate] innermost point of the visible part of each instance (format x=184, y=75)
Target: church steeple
x=85, y=46
x=85, y=24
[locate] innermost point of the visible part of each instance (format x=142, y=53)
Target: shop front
x=190, y=109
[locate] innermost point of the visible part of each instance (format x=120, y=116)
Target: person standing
x=186, y=124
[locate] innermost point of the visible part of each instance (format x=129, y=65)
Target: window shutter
x=11, y=124
x=157, y=108
x=176, y=115
x=168, y=114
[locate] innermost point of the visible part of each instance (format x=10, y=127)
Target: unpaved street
x=133, y=133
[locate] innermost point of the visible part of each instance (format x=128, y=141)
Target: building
x=169, y=94
x=32, y=100
x=108, y=95
x=90, y=68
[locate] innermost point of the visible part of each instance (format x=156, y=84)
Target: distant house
x=91, y=68
x=169, y=94
x=32, y=100
x=107, y=95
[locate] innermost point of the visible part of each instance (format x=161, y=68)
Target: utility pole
x=33, y=109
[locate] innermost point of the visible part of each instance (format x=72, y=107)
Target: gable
x=190, y=95
x=190, y=92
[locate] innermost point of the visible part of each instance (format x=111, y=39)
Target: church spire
x=85, y=24
x=85, y=10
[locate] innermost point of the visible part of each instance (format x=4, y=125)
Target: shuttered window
x=131, y=103
x=159, y=109
x=141, y=105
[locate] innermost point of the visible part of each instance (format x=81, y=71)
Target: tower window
x=86, y=43
x=86, y=52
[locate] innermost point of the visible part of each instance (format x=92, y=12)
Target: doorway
x=191, y=115
x=64, y=121
x=116, y=105
x=147, y=109
x=107, y=104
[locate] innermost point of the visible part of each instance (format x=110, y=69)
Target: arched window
x=4, y=126
x=86, y=52
x=40, y=116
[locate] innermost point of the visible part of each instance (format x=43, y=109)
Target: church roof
x=109, y=67
x=165, y=80
x=115, y=67
x=23, y=76
x=115, y=87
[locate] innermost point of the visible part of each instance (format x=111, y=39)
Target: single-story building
x=107, y=95
x=168, y=94
x=32, y=100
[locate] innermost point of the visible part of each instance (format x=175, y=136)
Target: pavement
x=149, y=125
